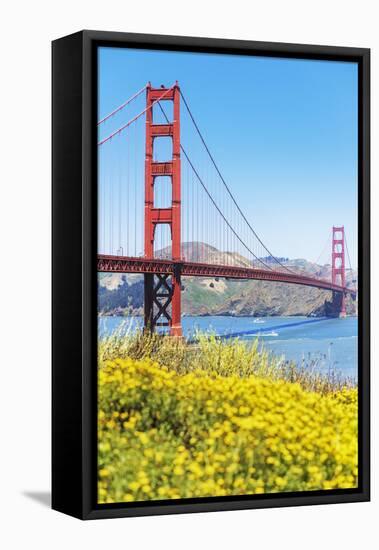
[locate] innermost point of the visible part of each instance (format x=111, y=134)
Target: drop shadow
x=42, y=497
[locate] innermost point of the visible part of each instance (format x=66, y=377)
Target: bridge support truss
x=162, y=300
x=338, y=269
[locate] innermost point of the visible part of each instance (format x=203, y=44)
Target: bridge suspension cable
x=122, y=106
x=324, y=248
x=122, y=128
x=348, y=258
x=227, y=187
x=212, y=199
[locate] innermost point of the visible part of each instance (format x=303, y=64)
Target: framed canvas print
x=210, y=274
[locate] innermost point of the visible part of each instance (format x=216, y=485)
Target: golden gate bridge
x=167, y=216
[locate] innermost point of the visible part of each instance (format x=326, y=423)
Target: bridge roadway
x=123, y=264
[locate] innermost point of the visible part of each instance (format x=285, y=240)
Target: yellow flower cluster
x=164, y=435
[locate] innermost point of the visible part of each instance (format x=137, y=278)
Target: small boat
x=272, y=333
x=258, y=320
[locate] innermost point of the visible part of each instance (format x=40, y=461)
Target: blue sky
x=283, y=132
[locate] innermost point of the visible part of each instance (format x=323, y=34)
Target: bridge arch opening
x=338, y=263
x=162, y=149
x=162, y=241
x=162, y=192
x=168, y=109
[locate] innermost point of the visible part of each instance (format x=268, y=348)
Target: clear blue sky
x=283, y=131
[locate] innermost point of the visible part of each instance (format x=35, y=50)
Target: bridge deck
x=122, y=264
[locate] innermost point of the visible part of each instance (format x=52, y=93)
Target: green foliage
x=214, y=355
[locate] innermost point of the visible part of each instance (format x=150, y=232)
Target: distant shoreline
x=190, y=315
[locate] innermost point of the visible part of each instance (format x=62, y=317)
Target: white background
x=27, y=29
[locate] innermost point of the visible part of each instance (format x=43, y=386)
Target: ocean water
x=330, y=345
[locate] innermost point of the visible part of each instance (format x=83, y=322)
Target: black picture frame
x=74, y=332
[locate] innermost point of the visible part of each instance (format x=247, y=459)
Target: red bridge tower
x=162, y=292
x=338, y=267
